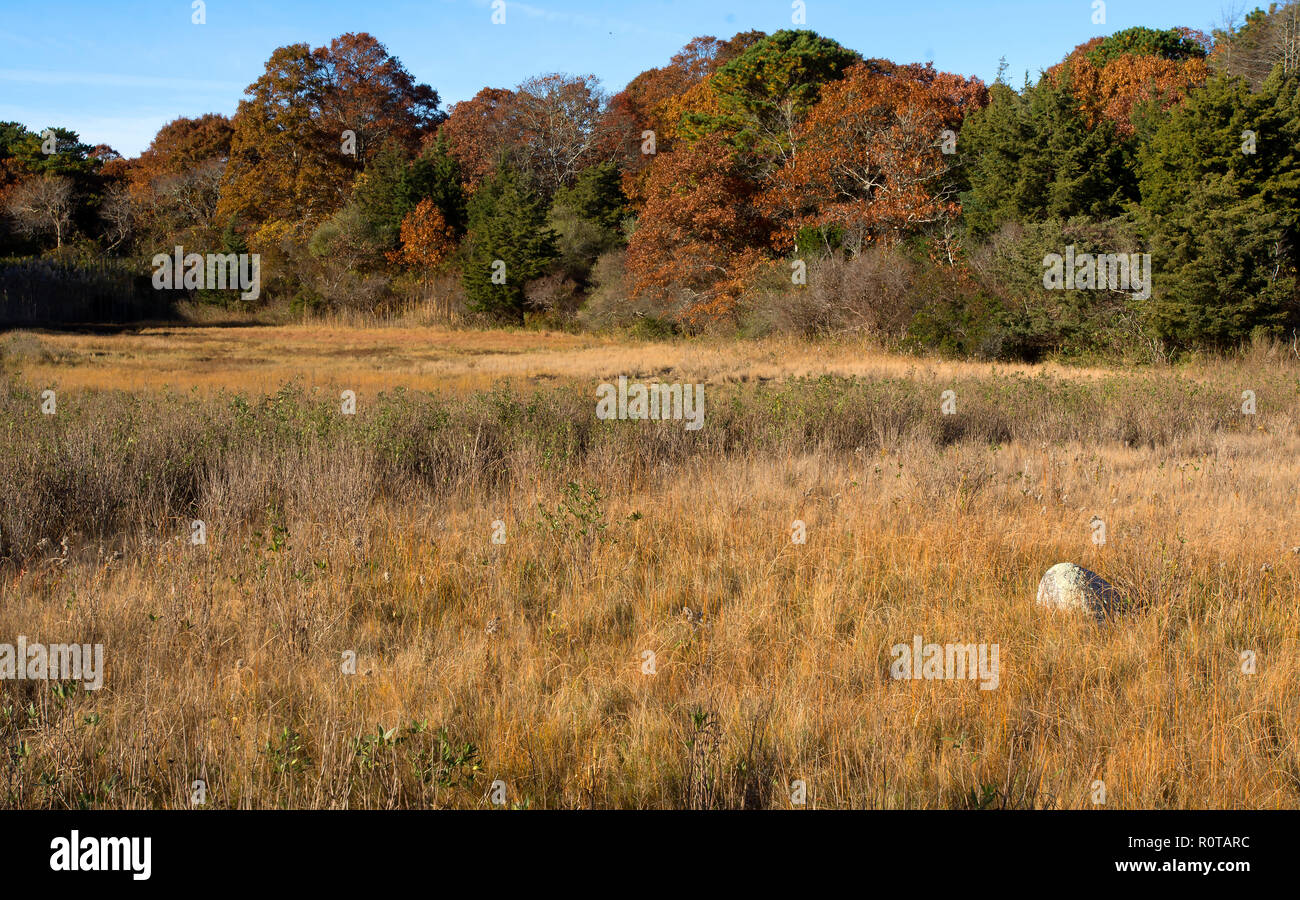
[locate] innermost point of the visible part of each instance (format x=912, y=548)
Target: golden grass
x=224, y=660
x=373, y=359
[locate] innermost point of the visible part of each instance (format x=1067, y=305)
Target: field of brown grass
x=524, y=662
x=372, y=359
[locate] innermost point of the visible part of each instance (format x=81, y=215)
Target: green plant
x=286, y=753
x=578, y=514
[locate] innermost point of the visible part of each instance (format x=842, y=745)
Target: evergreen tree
x=1088, y=171
x=994, y=141
x=1221, y=201
x=596, y=197
x=381, y=194
x=435, y=175
x=509, y=244
x=1169, y=43
x=761, y=95
x=1033, y=157
x=588, y=218
x=368, y=230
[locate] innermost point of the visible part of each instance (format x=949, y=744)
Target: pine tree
x=762, y=94
x=381, y=196
x=509, y=244
x=1032, y=157
x=435, y=175
x=1220, y=202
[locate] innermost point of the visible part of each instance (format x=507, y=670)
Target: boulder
x=1076, y=589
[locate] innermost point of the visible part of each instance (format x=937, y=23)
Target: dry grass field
x=523, y=661
x=373, y=359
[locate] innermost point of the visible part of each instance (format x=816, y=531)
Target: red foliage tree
x=476, y=131
x=700, y=234
x=549, y=127
x=180, y=146
x=870, y=157
x=653, y=101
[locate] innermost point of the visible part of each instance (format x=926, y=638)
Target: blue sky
x=116, y=70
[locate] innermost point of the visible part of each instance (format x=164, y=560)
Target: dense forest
x=761, y=184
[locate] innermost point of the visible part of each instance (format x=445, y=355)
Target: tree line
x=767, y=182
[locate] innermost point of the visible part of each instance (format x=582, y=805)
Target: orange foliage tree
x=180, y=146
x=656, y=99
x=869, y=158
x=288, y=161
x=427, y=239
x=701, y=233
x=1112, y=76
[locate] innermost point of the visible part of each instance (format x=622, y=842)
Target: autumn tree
x=367, y=91
x=367, y=231
x=1113, y=77
x=290, y=160
x=700, y=234
x=477, y=131
x=170, y=191
x=180, y=146
x=645, y=96
x=871, y=162
x=651, y=103
x=283, y=166
x=110, y=166
x=763, y=94
x=549, y=128
x=426, y=237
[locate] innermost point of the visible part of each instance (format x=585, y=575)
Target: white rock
x=1076, y=589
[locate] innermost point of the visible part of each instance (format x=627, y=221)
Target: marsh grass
x=522, y=661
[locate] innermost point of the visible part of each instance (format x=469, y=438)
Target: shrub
x=870, y=293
